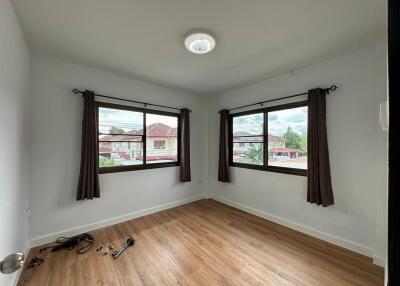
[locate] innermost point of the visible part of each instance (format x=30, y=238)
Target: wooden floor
x=207, y=243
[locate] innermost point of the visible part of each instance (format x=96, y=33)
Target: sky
x=130, y=120
x=278, y=122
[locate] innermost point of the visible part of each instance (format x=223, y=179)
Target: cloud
x=296, y=118
x=278, y=122
x=252, y=124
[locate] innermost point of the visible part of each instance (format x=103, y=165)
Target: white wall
x=357, y=151
x=14, y=100
x=42, y=151
x=56, y=135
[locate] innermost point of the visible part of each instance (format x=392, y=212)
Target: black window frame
x=264, y=167
x=144, y=166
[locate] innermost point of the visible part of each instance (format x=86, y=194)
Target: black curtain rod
x=77, y=91
x=332, y=88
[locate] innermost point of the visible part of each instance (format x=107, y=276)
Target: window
x=132, y=138
x=271, y=139
x=159, y=144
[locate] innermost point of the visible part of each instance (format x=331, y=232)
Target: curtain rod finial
x=76, y=91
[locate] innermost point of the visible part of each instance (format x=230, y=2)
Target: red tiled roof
x=160, y=130
x=153, y=130
x=283, y=150
x=121, y=137
x=104, y=149
x=156, y=158
x=124, y=155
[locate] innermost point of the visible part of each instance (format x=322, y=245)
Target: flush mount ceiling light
x=200, y=41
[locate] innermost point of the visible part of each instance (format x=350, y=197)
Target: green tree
x=106, y=162
x=303, y=143
x=255, y=154
x=115, y=130
x=292, y=139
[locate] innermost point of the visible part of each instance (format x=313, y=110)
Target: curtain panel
x=185, y=175
x=88, y=184
x=319, y=189
x=223, y=162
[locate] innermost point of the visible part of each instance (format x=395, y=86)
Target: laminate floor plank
x=205, y=243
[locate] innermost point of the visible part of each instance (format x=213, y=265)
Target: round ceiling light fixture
x=200, y=41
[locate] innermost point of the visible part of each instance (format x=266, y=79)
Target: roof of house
x=152, y=130
x=271, y=138
x=242, y=133
x=122, y=137
x=157, y=158
x=104, y=149
x=160, y=130
x=283, y=150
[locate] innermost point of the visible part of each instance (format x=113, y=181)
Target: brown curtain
x=223, y=164
x=319, y=190
x=88, y=184
x=185, y=146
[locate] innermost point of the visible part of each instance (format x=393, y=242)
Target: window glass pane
x=248, y=153
x=287, y=138
x=161, y=138
x=120, y=137
x=248, y=139
x=116, y=121
x=112, y=154
x=248, y=125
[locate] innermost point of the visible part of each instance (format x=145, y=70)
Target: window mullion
x=144, y=138
x=265, y=144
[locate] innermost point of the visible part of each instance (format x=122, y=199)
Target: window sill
x=289, y=171
x=106, y=170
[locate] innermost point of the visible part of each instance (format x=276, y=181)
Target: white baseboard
x=37, y=241
x=380, y=261
x=304, y=229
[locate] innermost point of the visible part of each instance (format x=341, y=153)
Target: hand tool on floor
x=72, y=242
x=129, y=242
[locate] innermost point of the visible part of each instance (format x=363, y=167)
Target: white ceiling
x=144, y=38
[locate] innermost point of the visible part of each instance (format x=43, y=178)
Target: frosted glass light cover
x=200, y=42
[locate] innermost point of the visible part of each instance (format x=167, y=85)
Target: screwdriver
x=129, y=242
